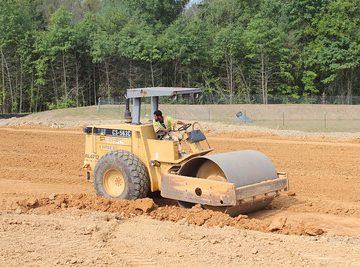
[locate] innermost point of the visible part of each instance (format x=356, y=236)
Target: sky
x=194, y=2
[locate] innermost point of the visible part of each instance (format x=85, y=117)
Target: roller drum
x=241, y=168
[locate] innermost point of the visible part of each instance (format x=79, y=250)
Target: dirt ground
x=50, y=215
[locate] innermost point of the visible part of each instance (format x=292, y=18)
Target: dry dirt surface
x=50, y=215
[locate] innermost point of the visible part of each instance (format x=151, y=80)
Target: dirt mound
x=55, y=202
x=195, y=216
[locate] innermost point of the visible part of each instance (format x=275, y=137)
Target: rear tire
x=121, y=174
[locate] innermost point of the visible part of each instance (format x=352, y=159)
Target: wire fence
x=304, y=117
x=279, y=99
x=211, y=98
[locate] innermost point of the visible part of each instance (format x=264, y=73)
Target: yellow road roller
x=128, y=160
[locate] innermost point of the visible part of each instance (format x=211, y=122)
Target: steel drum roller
x=241, y=168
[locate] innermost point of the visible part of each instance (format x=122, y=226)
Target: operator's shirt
x=167, y=124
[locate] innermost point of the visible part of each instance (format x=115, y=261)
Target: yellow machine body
x=235, y=182
x=159, y=156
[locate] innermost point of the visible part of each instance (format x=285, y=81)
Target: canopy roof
x=160, y=91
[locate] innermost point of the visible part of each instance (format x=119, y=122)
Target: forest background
x=56, y=54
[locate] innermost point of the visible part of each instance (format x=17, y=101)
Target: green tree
x=138, y=42
x=227, y=48
x=156, y=13
x=334, y=55
x=185, y=45
x=15, y=26
x=265, y=41
x=105, y=40
x=54, y=44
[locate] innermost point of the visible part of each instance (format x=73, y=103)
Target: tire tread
x=138, y=174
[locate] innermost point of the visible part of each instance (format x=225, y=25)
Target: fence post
x=325, y=120
x=283, y=118
x=245, y=118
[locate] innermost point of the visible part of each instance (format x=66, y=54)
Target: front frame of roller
x=217, y=193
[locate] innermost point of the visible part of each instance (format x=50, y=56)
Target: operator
x=164, y=127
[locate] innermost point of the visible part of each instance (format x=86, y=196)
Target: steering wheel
x=184, y=127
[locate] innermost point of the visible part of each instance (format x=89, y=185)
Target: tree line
x=63, y=53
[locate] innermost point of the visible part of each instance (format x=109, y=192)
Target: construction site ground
x=50, y=215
